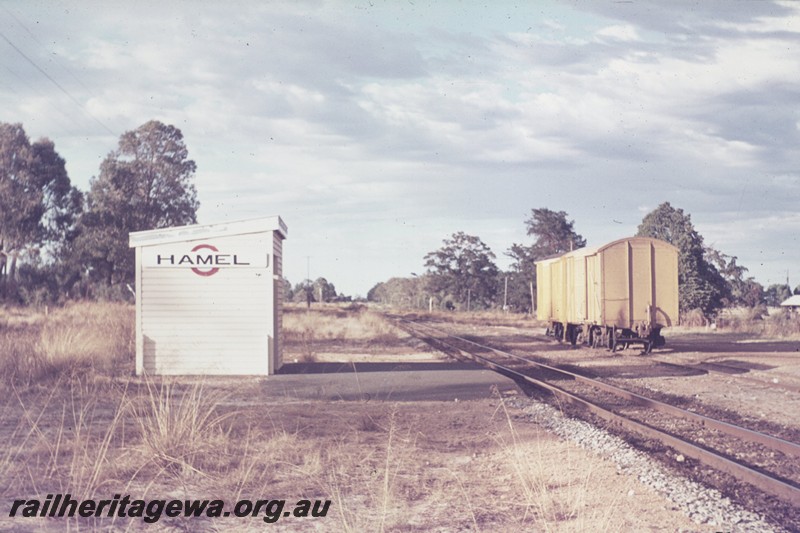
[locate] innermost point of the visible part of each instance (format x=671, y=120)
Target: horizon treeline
x=59, y=243
x=462, y=273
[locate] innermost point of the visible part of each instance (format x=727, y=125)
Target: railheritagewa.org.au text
x=150, y=511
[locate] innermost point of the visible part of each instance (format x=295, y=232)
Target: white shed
x=792, y=303
x=209, y=298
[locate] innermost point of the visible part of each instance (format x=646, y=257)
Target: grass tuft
x=178, y=425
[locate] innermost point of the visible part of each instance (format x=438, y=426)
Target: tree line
x=58, y=242
x=462, y=273
x=308, y=291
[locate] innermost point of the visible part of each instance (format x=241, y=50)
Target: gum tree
x=38, y=204
x=146, y=183
x=553, y=234
x=700, y=284
x=463, y=269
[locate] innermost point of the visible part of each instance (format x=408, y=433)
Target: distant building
x=792, y=303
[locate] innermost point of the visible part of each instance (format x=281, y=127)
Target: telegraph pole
x=533, y=302
x=309, y=287
x=505, y=296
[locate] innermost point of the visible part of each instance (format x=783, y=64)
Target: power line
x=60, y=87
x=39, y=43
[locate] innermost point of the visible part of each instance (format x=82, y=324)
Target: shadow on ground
x=339, y=368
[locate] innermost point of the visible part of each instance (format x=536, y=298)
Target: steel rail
x=765, y=482
x=774, y=443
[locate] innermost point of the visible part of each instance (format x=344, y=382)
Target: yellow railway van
x=619, y=294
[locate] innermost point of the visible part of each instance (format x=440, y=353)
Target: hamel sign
x=203, y=259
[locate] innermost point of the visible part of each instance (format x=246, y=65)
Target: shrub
x=694, y=318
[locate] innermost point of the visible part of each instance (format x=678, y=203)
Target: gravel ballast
x=703, y=505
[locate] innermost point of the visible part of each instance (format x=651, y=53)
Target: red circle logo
x=211, y=271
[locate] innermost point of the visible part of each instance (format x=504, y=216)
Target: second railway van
x=615, y=295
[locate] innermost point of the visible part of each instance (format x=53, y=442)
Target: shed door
x=642, y=283
x=616, y=305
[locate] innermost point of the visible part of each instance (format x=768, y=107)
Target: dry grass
x=784, y=325
x=79, y=339
x=559, y=495
x=178, y=426
x=328, y=326
x=73, y=420
x=479, y=318
x=400, y=473
x=337, y=323
x=771, y=324
x=63, y=440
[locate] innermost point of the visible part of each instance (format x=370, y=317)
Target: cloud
x=688, y=19
x=768, y=261
x=399, y=124
x=619, y=32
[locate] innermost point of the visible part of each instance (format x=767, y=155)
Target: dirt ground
x=468, y=466
x=514, y=476
x=386, y=465
x=758, y=379
x=737, y=377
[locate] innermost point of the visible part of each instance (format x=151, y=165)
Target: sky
x=376, y=129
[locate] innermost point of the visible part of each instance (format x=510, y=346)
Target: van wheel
x=572, y=335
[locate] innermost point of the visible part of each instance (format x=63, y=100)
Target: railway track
x=768, y=463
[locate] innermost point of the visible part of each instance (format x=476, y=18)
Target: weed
x=178, y=425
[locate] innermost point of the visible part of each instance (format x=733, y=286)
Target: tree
x=753, y=294
x=38, y=204
x=146, y=183
x=401, y=292
x=740, y=290
x=776, y=294
x=308, y=291
x=554, y=235
x=700, y=284
x=463, y=269
x=304, y=292
x=324, y=290
x=288, y=293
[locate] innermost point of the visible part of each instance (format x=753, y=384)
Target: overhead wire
x=55, y=82
x=41, y=45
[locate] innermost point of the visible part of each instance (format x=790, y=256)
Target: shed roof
x=203, y=231
x=794, y=301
